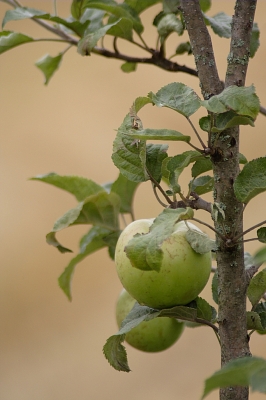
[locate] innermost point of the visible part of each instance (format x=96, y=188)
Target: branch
x=238, y=58
x=263, y=110
x=156, y=59
x=202, y=48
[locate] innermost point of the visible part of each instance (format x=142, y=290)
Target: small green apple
x=155, y=335
x=182, y=276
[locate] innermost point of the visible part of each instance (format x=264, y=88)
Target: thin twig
x=196, y=133
x=249, y=230
x=157, y=197
x=209, y=226
x=169, y=201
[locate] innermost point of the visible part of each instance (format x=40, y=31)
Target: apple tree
x=140, y=155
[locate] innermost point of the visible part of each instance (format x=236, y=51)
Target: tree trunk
x=224, y=154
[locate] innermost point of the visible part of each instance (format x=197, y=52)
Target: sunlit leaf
x=48, y=65
x=129, y=67
x=220, y=23
x=178, y=97
x=76, y=185
x=159, y=134
x=144, y=251
x=242, y=100
x=118, y=10
x=9, y=40
x=169, y=23
x=51, y=239
x=89, y=41
x=20, y=13
x=200, y=242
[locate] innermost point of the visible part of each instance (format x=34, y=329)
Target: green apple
x=182, y=276
x=155, y=335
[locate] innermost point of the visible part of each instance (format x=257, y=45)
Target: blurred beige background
x=51, y=349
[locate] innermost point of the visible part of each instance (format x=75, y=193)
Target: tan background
x=52, y=349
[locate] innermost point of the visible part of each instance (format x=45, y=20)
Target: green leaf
x=140, y=6
x=185, y=313
x=125, y=189
x=113, y=350
x=76, y=185
x=260, y=256
x=100, y=209
x=178, y=97
x=91, y=242
x=215, y=287
x=254, y=321
x=201, y=165
x=115, y=353
x=257, y=287
x=261, y=233
x=129, y=67
x=246, y=371
x=242, y=100
x=144, y=251
x=77, y=8
x=159, y=134
x=205, y=310
x=20, y=13
x=220, y=24
x=254, y=40
x=200, y=242
x=48, y=65
x=9, y=40
x=169, y=23
x=128, y=155
x=51, y=239
x=88, y=42
x=95, y=17
x=183, y=48
x=123, y=29
x=118, y=10
x=202, y=185
x=251, y=181
x=242, y=159
x=171, y=6
x=205, y=5
x=228, y=120
x=156, y=153
x=174, y=166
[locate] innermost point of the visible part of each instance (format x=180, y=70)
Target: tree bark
x=225, y=150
